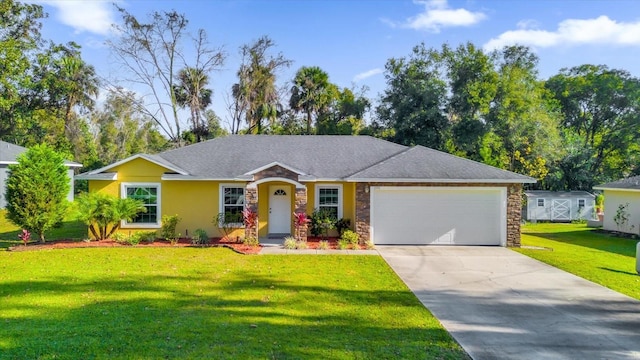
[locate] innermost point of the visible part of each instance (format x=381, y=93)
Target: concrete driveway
x=499, y=304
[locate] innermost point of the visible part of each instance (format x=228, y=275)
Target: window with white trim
x=149, y=195
x=540, y=202
x=232, y=203
x=581, y=203
x=329, y=199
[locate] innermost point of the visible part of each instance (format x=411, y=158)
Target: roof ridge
x=405, y=150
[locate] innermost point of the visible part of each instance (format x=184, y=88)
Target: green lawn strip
x=599, y=257
x=123, y=303
x=70, y=229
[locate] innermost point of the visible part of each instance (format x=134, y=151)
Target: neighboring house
x=392, y=194
x=559, y=205
x=9, y=155
x=621, y=205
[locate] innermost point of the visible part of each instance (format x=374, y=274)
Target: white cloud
x=367, y=74
x=438, y=15
x=94, y=16
x=601, y=30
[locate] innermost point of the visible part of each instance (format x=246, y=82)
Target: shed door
x=432, y=215
x=561, y=209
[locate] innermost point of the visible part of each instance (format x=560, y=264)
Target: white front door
x=279, y=209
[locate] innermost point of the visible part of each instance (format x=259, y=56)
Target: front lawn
x=70, y=229
x=599, y=257
x=157, y=303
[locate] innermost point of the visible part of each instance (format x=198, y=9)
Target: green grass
x=70, y=229
x=599, y=257
x=152, y=303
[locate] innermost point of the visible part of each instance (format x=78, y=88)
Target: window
x=149, y=195
x=541, y=202
x=232, y=203
x=329, y=198
x=581, y=203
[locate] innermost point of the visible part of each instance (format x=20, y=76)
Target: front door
x=279, y=209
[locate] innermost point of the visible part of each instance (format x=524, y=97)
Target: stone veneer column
x=514, y=214
x=301, y=207
x=251, y=203
x=363, y=211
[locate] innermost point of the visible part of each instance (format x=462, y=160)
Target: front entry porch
x=275, y=200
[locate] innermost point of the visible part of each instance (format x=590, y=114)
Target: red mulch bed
x=65, y=244
x=312, y=243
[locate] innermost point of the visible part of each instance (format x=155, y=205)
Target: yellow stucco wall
x=198, y=202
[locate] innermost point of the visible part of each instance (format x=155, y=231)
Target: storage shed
x=559, y=205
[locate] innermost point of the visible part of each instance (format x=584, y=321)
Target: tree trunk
x=41, y=237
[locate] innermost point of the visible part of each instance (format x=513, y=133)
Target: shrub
x=343, y=244
x=321, y=222
x=323, y=245
x=169, y=225
x=226, y=224
x=369, y=245
x=251, y=241
x=351, y=237
x=200, y=237
x=36, y=190
x=118, y=237
x=103, y=213
x=301, y=245
x=290, y=243
x=342, y=225
x=147, y=236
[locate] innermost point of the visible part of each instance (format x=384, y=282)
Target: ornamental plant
x=250, y=217
x=25, y=236
x=300, y=220
x=103, y=213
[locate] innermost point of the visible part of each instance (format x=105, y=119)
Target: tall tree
x=20, y=39
x=191, y=93
x=522, y=114
x=601, y=106
x=152, y=53
x=37, y=188
x=121, y=130
x=413, y=102
x=255, y=95
x=345, y=115
x=311, y=92
x=472, y=81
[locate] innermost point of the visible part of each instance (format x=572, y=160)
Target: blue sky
x=352, y=39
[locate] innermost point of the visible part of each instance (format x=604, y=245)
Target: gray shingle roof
x=9, y=154
x=355, y=158
x=327, y=157
x=631, y=183
x=419, y=163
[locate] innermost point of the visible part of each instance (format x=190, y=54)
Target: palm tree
x=191, y=93
x=311, y=92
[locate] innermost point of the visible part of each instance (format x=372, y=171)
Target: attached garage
x=418, y=215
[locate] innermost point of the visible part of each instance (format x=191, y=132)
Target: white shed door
x=432, y=215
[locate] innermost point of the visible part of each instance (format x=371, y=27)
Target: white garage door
x=436, y=215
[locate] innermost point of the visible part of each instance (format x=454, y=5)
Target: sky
x=353, y=39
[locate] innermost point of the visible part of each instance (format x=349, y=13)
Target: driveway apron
x=499, y=304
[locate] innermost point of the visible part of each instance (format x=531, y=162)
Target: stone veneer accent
x=300, y=195
x=514, y=206
x=301, y=206
x=275, y=171
x=251, y=203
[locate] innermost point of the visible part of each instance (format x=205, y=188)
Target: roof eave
x=471, y=181
x=613, y=188
x=138, y=156
x=101, y=176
